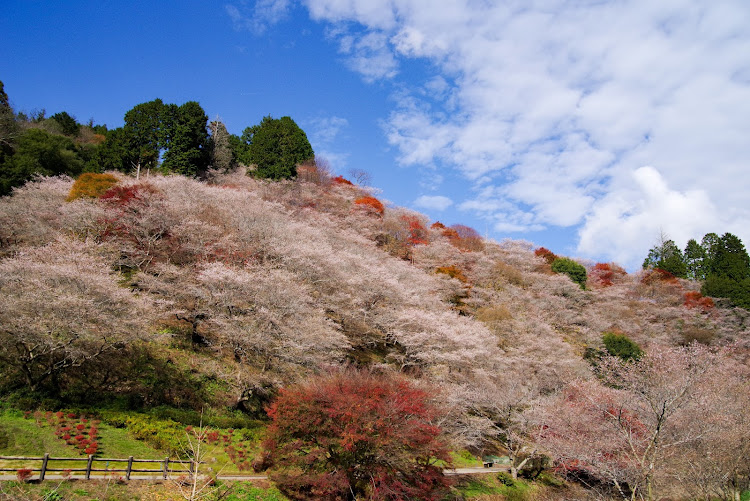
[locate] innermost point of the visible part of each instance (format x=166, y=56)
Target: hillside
x=171, y=291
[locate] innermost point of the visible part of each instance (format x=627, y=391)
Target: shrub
x=619, y=345
x=416, y=230
x=355, y=435
x=694, y=299
x=342, y=180
x=464, y=238
x=545, y=254
x=122, y=196
x=371, y=204
x=453, y=271
x=575, y=271
x=91, y=185
x=492, y=314
x=24, y=474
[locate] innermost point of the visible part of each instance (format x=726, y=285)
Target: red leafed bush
x=355, y=435
x=545, y=254
x=121, y=196
x=694, y=299
x=371, y=204
x=605, y=274
x=658, y=275
x=342, y=180
x=417, y=232
x=437, y=225
x=23, y=474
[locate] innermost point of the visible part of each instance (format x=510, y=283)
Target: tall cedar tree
x=276, y=147
x=356, y=435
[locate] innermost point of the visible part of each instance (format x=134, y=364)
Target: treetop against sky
x=586, y=128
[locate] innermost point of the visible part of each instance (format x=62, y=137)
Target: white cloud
x=434, y=202
x=557, y=107
x=326, y=129
x=633, y=216
x=264, y=13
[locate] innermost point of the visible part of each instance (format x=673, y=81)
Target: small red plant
x=437, y=225
x=24, y=474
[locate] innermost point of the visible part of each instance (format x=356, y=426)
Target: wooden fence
x=166, y=466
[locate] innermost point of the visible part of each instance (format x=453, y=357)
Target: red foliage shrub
x=437, y=225
x=355, y=435
x=545, y=254
x=342, y=180
x=657, y=275
x=605, y=274
x=122, y=196
x=371, y=204
x=694, y=299
x=417, y=232
x=23, y=474
x=212, y=436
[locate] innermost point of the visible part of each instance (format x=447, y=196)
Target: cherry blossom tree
x=61, y=307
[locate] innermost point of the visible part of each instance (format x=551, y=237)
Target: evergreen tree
x=276, y=147
x=668, y=257
x=8, y=126
x=729, y=271
x=710, y=244
x=39, y=152
x=68, y=125
x=695, y=260
x=186, y=139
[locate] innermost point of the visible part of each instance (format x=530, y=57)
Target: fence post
x=130, y=467
x=43, y=471
x=88, y=467
x=166, y=467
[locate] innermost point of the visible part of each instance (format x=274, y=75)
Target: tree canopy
x=355, y=435
x=668, y=257
x=276, y=147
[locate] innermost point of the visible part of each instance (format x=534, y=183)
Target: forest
x=168, y=264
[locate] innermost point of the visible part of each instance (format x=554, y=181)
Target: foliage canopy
x=356, y=435
x=276, y=147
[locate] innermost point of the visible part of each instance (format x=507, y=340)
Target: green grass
x=501, y=484
x=117, y=443
x=244, y=491
x=123, y=434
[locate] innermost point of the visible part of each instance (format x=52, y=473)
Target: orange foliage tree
x=546, y=254
x=371, y=204
x=417, y=232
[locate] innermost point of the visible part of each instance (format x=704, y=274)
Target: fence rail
x=166, y=465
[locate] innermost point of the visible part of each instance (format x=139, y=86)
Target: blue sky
x=589, y=127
